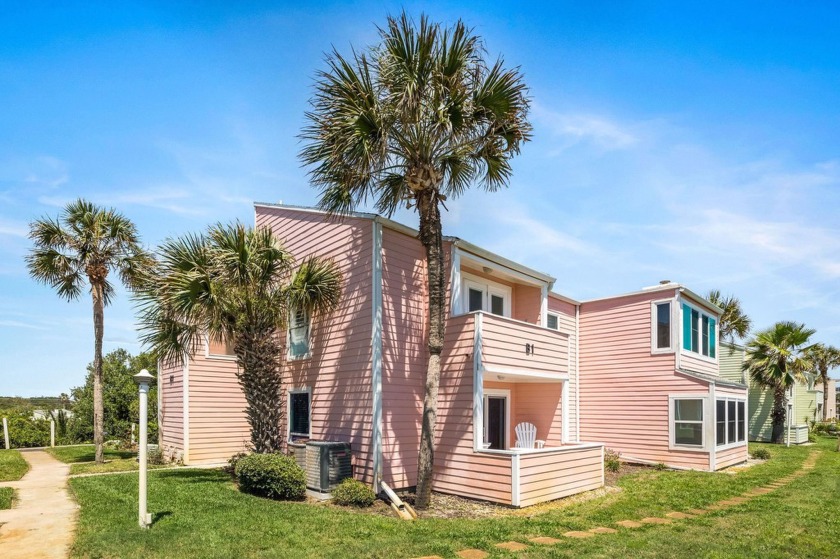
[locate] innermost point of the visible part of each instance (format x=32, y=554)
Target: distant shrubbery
x=353, y=492
x=25, y=432
x=275, y=476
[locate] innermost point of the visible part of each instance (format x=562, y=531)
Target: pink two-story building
x=515, y=352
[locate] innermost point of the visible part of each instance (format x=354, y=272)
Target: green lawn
x=12, y=466
x=6, y=495
x=87, y=453
x=198, y=513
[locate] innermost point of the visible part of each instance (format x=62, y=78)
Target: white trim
x=564, y=412
x=503, y=265
x=376, y=356
x=456, y=302
x=498, y=393
x=298, y=390
x=478, y=387
x=577, y=373
x=515, y=481
x=713, y=451
x=544, y=450
x=603, y=470
x=488, y=288
x=654, y=327
x=185, y=396
x=539, y=376
x=705, y=422
x=160, y=385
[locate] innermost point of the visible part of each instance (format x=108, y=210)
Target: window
x=699, y=332
x=730, y=421
x=552, y=321
x=688, y=422
x=483, y=295
x=299, y=414
x=299, y=322
x=661, y=317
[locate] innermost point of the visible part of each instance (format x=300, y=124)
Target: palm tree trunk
x=259, y=376
x=431, y=237
x=778, y=414
x=98, y=407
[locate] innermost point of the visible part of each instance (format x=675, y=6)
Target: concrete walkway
x=43, y=521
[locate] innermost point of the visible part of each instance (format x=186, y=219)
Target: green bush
x=25, y=432
x=275, y=476
x=661, y=466
x=760, y=454
x=611, y=460
x=354, y=493
x=233, y=461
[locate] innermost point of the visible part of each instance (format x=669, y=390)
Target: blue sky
x=697, y=143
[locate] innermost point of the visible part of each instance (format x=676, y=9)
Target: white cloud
x=576, y=128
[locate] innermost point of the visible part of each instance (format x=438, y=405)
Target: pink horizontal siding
x=171, y=387
x=339, y=370
x=549, y=476
x=624, y=389
x=540, y=404
x=404, y=355
x=731, y=456
x=692, y=362
x=218, y=428
x=503, y=344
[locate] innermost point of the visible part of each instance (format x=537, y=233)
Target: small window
x=742, y=421
x=299, y=414
x=299, y=334
x=552, y=321
x=497, y=305
x=688, y=422
x=663, y=325
x=476, y=300
x=720, y=422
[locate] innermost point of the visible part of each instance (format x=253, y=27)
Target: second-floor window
x=298, y=342
x=661, y=326
x=484, y=295
x=552, y=321
x=699, y=332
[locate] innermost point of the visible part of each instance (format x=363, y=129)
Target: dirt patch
x=611, y=478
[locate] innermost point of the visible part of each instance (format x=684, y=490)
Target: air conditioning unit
x=327, y=464
x=298, y=452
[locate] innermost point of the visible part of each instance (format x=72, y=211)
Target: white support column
x=711, y=432
x=186, y=407
x=6, y=433
x=544, y=306
x=455, y=299
x=376, y=357
x=515, y=481
x=143, y=378
x=478, y=387
x=564, y=411
x=52, y=432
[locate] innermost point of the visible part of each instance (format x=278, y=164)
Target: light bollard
x=143, y=379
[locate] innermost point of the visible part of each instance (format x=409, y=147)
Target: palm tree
x=776, y=359
x=235, y=284
x=734, y=323
x=85, y=244
x=824, y=358
x=418, y=119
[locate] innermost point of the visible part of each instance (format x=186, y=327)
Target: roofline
x=702, y=300
x=711, y=379
x=654, y=289
x=406, y=230
x=563, y=298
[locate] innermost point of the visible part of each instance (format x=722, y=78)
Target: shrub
x=353, y=492
x=233, y=461
x=25, y=432
x=155, y=456
x=661, y=466
x=760, y=454
x=275, y=476
x=611, y=460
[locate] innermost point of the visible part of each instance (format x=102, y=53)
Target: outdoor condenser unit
x=298, y=452
x=327, y=464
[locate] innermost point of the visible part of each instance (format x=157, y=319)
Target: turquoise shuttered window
x=699, y=332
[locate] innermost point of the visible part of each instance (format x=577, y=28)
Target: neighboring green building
x=807, y=399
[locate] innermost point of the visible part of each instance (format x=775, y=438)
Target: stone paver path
x=42, y=523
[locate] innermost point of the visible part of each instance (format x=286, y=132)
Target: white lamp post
x=143, y=378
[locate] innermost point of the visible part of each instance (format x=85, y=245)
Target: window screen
x=299, y=414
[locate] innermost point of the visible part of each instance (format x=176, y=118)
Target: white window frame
x=555, y=315
x=496, y=393
x=215, y=356
x=737, y=443
x=701, y=312
x=487, y=288
x=308, y=353
x=302, y=390
x=705, y=436
x=654, y=326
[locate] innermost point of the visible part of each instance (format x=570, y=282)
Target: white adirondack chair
x=526, y=435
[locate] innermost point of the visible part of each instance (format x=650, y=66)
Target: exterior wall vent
x=327, y=464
